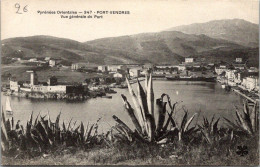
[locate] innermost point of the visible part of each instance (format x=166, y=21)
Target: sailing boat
x=8, y=107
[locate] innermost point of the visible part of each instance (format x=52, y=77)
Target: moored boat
x=108, y=97
x=191, y=78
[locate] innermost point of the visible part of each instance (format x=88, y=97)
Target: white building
x=133, y=72
x=220, y=70
x=181, y=67
x=102, y=68
x=49, y=89
x=15, y=58
x=76, y=66
x=118, y=75
x=38, y=88
x=189, y=60
x=26, y=89
x=33, y=60
x=166, y=66
x=252, y=69
x=57, y=89
x=239, y=60
x=230, y=75
x=239, y=66
x=47, y=59
x=114, y=68
x=238, y=78
x=52, y=63
x=251, y=83
x=14, y=86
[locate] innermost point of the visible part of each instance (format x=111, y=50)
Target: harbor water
x=205, y=98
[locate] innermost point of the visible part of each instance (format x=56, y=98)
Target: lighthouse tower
x=33, y=78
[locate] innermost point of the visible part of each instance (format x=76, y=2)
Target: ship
x=191, y=78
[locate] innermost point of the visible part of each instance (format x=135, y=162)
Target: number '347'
x=20, y=11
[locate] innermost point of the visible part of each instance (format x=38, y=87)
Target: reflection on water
x=202, y=97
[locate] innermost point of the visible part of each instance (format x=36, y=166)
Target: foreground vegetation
x=157, y=137
x=139, y=153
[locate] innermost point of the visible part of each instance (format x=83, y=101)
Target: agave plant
x=42, y=134
x=247, y=120
x=147, y=129
x=209, y=129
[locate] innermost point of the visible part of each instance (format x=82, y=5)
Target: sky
x=145, y=16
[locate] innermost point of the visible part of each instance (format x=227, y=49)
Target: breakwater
x=245, y=96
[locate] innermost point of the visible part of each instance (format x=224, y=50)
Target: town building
x=230, y=75
x=47, y=59
x=132, y=65
x=165, y=69
x=33, y=60
x=238, y=77
x=252, y=69
x=52, y=63
x=51, y=87
x=134, y=72
x=57, y=89
x=239, y=66
x=219, y=70
x=15, y=85
x=166, y=66
x=114, y=68
x=102, y=68
x=189, y=60
x=118, y=75
x=181, y=67
x=87, y=67
x=77, y=66
x=239, y=60
x=251, y=83
x=16, y=58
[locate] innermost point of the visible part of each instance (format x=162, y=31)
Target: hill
x=69, y=51
x=163, y=47
x=236, y=30
x=47, y=46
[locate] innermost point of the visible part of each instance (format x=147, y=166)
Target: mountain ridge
x=236, y=30
x=157, y=47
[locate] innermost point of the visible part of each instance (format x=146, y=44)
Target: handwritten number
x=17, y=5
x=18, y=8
x=25, y=9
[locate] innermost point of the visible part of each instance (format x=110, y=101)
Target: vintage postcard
x=130, y=82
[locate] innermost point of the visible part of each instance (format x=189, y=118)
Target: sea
x=203, y=98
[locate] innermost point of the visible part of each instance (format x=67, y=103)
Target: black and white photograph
x=130, y=82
